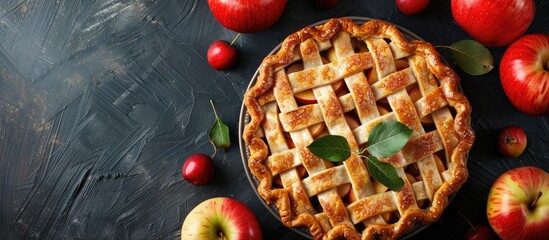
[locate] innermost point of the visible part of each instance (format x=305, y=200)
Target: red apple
x=412, y=7
x=518, y=204
x=511, y=141
x=494, y=23
x=247, y=16
x=524, y=74
x=325, y=3
x=221, y=218
x=221, y=55
x=198, y=169
x=479, y=232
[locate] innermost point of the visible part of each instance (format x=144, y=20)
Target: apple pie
x=341, y=78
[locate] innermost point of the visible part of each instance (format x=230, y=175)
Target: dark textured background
x=102, y=101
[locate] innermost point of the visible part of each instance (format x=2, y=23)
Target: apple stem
x=215, y=150
x=221, y=235
x=213, y=144
x=234, y=40
x=509, y=139
x=533, y=204
x=467, y=220
x=213, y=107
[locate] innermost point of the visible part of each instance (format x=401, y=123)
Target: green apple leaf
x=219, y=133
x=472, y=57
x=331, y=148
x=388, y=138
x=385, y=173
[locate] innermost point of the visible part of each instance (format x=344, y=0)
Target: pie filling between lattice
x=342, y=78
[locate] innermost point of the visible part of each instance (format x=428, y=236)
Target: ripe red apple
x=247, y=16
x=518, y=204
x=494, y=23
x=511, y=141
x=524, y=74
x=412, y=7
x=479, y=232
x=198, y=169
x=221, y=55
x=325, y=3
x=221, y=218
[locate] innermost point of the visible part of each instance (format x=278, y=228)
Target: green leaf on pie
x=331, y=148
x=387, y=138
x=219, y=133
x=385, y=173
x=472, y=57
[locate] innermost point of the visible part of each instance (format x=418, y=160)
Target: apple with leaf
x=198, y=169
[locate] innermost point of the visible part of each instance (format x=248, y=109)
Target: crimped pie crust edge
x=449, y=81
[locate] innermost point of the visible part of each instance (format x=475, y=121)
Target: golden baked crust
x=312, y=193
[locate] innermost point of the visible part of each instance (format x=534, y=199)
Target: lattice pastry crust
x=342, y=78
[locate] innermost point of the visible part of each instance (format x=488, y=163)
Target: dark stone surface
x=102, y=101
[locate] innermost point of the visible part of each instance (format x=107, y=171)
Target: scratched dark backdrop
x=102, y=101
